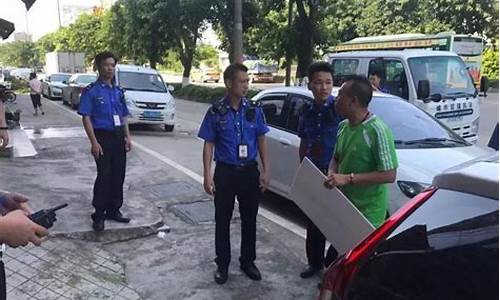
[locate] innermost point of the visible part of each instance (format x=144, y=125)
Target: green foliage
x=204, y=94
x=19, y=54
x=490, y=64
x=206, y=55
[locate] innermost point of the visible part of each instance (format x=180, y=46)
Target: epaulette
x=218, y=107
x=89, y=86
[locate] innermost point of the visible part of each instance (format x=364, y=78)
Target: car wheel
x=49, y=96
x=169, y=128
x=74, y=106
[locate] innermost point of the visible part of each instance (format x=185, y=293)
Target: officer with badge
x=235, y=128
x=318, y=124
x=104, y=113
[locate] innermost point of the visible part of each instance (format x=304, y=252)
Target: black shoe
x=251, y=271
x=98, y=225
x=118, y=217
x=310, y=271
x=220, y=276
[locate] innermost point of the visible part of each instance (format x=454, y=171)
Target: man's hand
x=208, y=185
x=18, y=230
x=128, y=144
x=336, y=180
x=13, y=201
x=96, y=150
x=264, y=181
x=4, y=138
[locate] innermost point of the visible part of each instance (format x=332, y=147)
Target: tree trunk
x=187, y=62
x=152, y=63
x=305, y=48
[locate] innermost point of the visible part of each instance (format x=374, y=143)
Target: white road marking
x=262, y=211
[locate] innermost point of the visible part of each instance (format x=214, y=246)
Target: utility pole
x=59, y=13
x=288, y=50
x=238, y=33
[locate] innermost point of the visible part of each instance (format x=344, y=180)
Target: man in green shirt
x=365, y=159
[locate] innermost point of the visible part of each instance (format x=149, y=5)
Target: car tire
x=169, y=128
x=74, y=106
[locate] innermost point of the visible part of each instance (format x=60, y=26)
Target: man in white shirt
x=35, y=93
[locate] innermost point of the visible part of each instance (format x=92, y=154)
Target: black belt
x=116, y=131
x=240, y=167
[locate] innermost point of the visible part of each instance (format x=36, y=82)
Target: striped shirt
x=364, y=148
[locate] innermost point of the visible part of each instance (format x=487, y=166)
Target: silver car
x=424, y=146
x=72, y=91
x=53, y=84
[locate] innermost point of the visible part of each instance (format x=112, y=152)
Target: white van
x=148, y=98
x=436, y=81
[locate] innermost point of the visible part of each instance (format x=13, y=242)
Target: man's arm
x=128, y=138
x=208, y=182
x=376, y=177
x=89, y=130
x=265, y=175
x=16, y=229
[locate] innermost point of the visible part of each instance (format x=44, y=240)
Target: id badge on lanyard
x=116, y=120
x=242, y=147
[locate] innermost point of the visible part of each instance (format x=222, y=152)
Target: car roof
x=135, y=68
x=60, y=74
x=403, y=54
x=478, y=177
x=306, y=92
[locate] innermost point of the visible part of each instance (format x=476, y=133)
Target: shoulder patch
x=89, y=86
x=218, y=107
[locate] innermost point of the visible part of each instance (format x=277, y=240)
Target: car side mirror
x=170, y=88
x=484, y=85
x=65, y=82
x=423, y=89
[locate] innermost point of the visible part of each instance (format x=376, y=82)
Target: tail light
x=338, y=276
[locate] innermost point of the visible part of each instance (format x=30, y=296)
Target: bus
x=468, y=47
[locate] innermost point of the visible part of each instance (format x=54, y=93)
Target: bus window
x=393, y=76
x=343, y=68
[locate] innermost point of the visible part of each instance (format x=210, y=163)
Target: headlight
x=475, y=126
x=410, y=188
x=56, y=89
x=129, y=102
x=170, y=104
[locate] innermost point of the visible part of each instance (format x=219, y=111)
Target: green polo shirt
x=365, y=148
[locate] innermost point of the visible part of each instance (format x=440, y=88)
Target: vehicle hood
x=421, y=165
x=150, y=97
x=58, y=84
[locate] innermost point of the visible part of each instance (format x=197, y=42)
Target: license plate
x=152, y=114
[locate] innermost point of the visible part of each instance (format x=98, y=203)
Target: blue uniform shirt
x=318, y=126
x=101, y=101
x=228, y=128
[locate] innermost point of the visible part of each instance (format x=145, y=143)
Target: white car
x=424, y=146
x=148, y=98
x=53, y=84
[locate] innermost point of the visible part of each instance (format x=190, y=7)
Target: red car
x=443, y=244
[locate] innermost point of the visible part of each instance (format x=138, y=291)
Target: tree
x=490, y=63
x=19, y=54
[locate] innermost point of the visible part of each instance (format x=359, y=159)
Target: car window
x=273, y=108
x=141, y=82
x=343, y=68
x=393, y=76
x=86, y=79
x=295, y=107
x=409, y=123
x=446, y=249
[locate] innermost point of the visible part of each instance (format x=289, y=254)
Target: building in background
x=22, y=37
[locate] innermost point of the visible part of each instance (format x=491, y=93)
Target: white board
x=330, y=210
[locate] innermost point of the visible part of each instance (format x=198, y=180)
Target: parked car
x=75, y=85
x=424, y=146
x=148, y=98
x=443, y=244
x=53, y=84
x=21, y=73
x=206, y=75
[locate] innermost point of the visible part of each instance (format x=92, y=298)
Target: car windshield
x=412, y=127
x=59, y=77
x=86, y=79
x=447, y=75
x=141, y=82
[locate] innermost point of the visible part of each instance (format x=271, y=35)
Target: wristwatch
x=351, y=178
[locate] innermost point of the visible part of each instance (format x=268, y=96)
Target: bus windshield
x=467, y=46
x=447, y=75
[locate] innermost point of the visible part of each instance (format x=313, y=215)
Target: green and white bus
x=468, y=47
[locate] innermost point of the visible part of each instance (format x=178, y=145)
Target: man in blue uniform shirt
x=104, y=113
x=235, y=129
x=318, y=125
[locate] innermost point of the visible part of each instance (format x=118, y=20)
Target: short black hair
x=232, y=69
x=99, y=58
x=319, y=66
x=377, y=73
x=361, y=88
x=32, y=75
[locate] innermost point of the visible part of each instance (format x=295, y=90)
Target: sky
x=42, y=16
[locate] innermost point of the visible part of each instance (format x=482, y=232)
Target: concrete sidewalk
x=132, y=261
